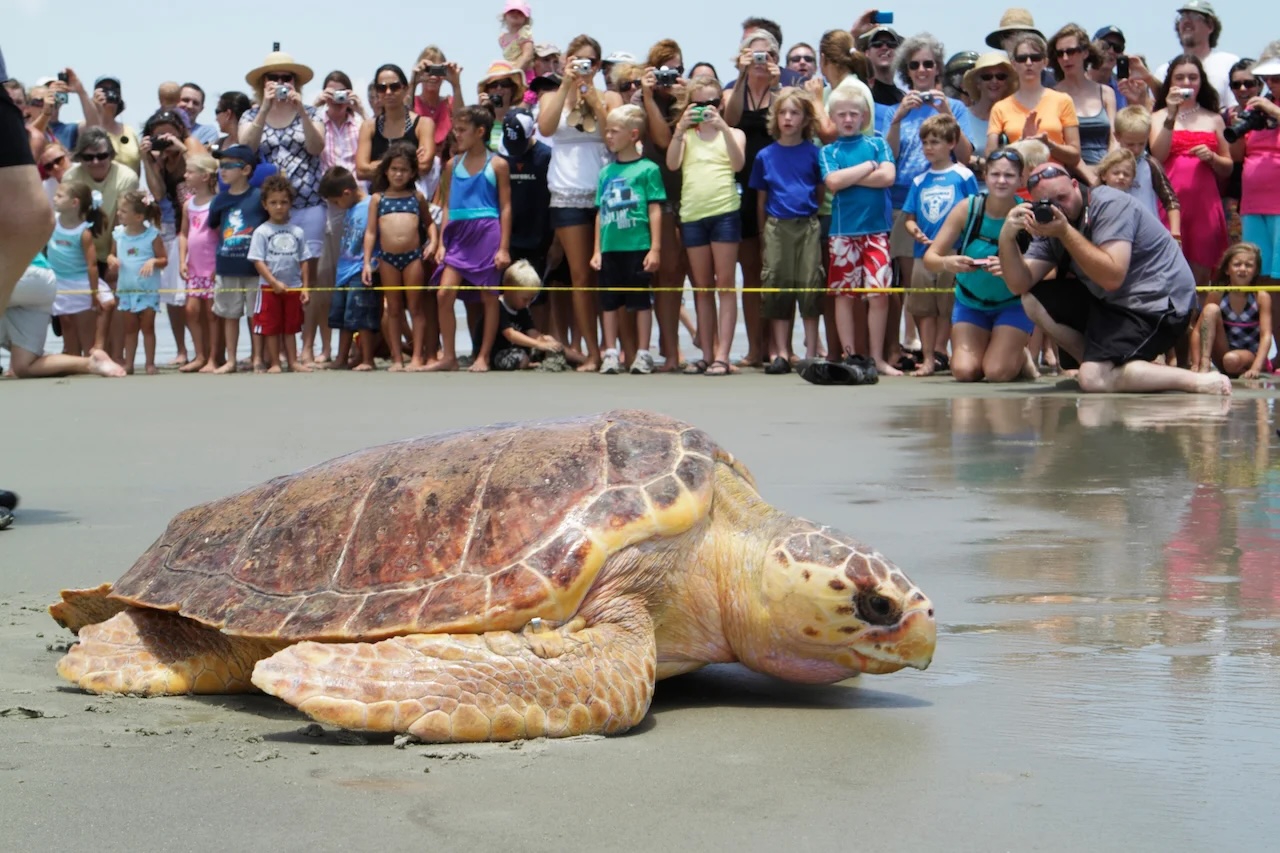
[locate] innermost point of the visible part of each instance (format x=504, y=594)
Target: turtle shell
x=469, y=531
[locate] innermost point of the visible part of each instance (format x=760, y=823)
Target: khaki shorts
x=901, y=243
x=792, y=255
x=25, y=324
x=234, y=296
x=930, y=304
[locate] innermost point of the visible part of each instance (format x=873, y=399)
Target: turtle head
x=833, y=608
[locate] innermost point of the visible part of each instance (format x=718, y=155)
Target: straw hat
x=991, y=60
x=1012, y=21
x=278, y=60
x=503, y=70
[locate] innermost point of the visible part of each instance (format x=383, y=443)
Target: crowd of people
x=1050, y=204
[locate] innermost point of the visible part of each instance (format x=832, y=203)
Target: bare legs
x=579, y=243
x=997, y=356
x=712, y=269
x=144, y=322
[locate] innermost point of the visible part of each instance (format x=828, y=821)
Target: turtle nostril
x=930, y=612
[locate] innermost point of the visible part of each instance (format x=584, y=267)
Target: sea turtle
x=508, y=582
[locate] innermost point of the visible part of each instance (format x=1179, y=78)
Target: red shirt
x=441, y=114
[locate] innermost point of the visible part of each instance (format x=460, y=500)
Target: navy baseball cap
x=237, y=152
x=517, y=133
x=97, y=84
x=1110, y=31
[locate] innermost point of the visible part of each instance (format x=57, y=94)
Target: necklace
x=1183, y=114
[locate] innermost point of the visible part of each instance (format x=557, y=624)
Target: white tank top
x=576, y=160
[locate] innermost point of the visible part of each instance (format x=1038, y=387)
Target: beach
x=1104, y=572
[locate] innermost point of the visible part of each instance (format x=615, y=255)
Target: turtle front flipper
x=154, y=653
x=586, y=677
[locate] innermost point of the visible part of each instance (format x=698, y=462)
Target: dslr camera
x=666, y=77
x=1246, y=122
x=1042, y=211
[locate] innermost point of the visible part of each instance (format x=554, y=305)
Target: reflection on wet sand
x=1158, y=522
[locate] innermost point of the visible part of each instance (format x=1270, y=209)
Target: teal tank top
x=66, y=258
x=473, y=196
x=980, y=289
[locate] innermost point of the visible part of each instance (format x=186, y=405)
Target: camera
x=160, y=144
x=1122, y=68
x=341, y=96
x=582, y=66
x=62, y=96
x=698, y=115
x=282, y=92
x=1246, y=122
x=1186, y=93
x=497, y=100
x=1042, y=211
x=760, y=57
x=882, y=18
x=112, y=96
x=666, y=77
x=437, y=71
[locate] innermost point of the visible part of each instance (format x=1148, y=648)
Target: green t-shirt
x=625, y=192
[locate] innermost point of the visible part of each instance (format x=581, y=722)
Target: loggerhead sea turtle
x=514, y=581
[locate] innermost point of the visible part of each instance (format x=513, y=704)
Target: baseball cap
x=545, y=49
x=517, y=133
x=619, y=56
x=870, y=35
x=239, y=152
x=107, y=78
x=1110, y=31
x=1204, y=7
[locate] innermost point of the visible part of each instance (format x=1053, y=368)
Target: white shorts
x=173, y=290
x=312, y=221
x=73, y=297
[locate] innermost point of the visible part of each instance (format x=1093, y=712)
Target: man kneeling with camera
x=1123, y=293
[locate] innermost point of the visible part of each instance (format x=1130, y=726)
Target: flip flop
x=694, y=368
x=831, y=373
x=941, y=364
x=778, y=366
x=719, y=368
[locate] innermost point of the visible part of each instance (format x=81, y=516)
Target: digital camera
x=436, y=71
x=582, y=66
x=666, y=77
x=341, y=96
x=282, y=92
x=61, y=97
x=698, y=115
x=760, y=57
x=1186, y=93
x=160, y=144
x=1042, y=211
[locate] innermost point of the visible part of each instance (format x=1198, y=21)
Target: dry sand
x=726, y=760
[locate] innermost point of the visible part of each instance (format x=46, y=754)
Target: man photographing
x=1123, y=295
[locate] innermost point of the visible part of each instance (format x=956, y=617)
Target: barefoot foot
x=884, y=368
x=100, y=364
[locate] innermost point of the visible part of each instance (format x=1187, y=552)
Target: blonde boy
x=518, y=340
x=1133, y=129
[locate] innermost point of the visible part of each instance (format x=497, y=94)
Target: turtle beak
x=919, y=636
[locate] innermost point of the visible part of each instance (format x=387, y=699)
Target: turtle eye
x=876, y=609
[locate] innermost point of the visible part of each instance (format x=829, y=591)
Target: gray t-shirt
x=1158, y=278
x=283, y=248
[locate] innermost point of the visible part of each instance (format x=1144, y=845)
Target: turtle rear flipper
x=154, y=653
x=496, y=686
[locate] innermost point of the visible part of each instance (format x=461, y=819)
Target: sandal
x=778, y=366
x=941, y=364
x=693, y=368
x=719, y=368
x=906, y=362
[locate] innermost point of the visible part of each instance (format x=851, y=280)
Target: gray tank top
x=1095, y=135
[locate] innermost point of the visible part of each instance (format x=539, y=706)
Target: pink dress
x=1204, y=225
x=202, y=251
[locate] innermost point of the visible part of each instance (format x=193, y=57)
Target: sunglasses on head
x=1245, y=84
x=1029, y=57
x=278, y=78
x=1044, y=175
x=1005, y=154
x=388, y=87
x=995, y=75
x=802, y=57
x=927, y=64
x=86, y=157
x=1064, y=52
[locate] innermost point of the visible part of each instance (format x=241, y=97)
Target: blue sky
x=40, y=37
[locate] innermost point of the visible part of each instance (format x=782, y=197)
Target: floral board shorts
x=859, y=262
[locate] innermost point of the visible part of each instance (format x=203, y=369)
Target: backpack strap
x=977, y=209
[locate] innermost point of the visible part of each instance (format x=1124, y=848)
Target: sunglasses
x=800, y=57
x=1044, y=175
x=497, y=84
x=1245, y=84
x=228, y=165
x=629, y=85
x=1114, y=47
x=278, y=78
x=881, y=44
x=61, y=158
x=1005, y=154
x=96, y=158
x=1064, y=52
x=998, y=75
x=391, y=87
x=928, y=64
x=36, y=102
x=712, y=103
x=1029, y=57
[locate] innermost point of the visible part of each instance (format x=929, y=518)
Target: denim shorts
x=355, y=308
x=725, y=228
x=988, y=319
x=568, y=217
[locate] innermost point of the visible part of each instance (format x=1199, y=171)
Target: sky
x=325, y=35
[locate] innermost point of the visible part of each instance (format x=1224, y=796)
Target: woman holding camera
x=124, y=139
x=164, y=146
x=572, y=117
x=501, y=89
x=431, y=72
x=1259, y=152
x=286, y=131
x=1187, y=139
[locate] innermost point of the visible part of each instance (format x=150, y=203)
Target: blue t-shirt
x=235, y=217
x=790, y=174
x=350, y=262
x=933, y=194
x=911, y=160
x=857, y=210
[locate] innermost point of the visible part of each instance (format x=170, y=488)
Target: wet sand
x=1106, y=575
